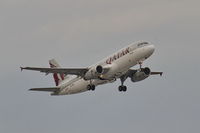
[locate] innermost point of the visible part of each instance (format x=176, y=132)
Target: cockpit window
x=143, y=43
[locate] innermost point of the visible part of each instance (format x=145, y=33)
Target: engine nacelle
x=95, y=72
x=141, y=75
x=99, y=69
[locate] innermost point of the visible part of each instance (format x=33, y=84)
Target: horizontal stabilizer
x=50, y=89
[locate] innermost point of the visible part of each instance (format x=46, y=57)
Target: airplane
x=116, y=66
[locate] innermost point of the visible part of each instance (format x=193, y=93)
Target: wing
x=70, y=71
x=50, y=89
x=133, y=71
x=156, y=73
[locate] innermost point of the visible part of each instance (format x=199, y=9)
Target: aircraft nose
x=151, y=48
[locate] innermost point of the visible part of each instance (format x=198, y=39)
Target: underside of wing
x=49, y=89
x=132, y=71
x=70, y=71
x=157, y=73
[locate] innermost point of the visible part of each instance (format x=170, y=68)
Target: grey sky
x=79, y=33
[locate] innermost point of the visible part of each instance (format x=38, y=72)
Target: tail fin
x=57, y=77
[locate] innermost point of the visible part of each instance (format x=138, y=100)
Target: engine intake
x=146, y=70
x=99, y=69
x=96, y=71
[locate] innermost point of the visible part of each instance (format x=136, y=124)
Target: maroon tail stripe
x=55, y=76
x=62, y=76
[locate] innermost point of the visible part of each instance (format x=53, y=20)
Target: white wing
x=70, y=71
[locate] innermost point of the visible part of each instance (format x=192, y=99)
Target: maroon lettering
x=108, y=61
x=118, y=55
x=127, y=51
x=114, y=57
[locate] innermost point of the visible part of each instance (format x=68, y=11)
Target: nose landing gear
x=140, y=63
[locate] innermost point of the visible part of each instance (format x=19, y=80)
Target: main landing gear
x=122, y=87
x=91, y=87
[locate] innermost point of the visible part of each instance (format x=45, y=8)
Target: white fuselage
x=119, y=63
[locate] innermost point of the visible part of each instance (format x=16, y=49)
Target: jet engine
x=141, y=74
x=96, y=72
